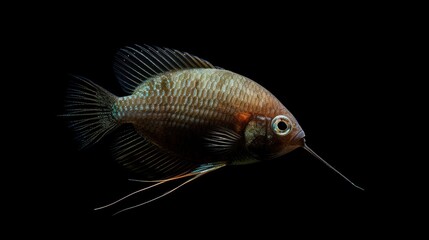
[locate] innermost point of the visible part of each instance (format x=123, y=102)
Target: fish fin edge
x=134, y=64
x=89, y=110
x=222, y=140
x=141, y=156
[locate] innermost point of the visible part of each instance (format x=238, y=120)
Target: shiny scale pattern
x=192, y=98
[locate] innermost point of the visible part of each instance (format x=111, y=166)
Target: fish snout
x=298, y=139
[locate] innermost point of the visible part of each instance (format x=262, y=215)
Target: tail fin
x=89, y=109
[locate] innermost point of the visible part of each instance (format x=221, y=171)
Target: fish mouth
x=296, y=142
x=297, y=139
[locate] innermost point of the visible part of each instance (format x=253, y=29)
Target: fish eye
x=281, y=125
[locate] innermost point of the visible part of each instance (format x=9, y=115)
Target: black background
x=326, y=66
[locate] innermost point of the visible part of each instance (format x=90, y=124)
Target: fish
x=181, y=117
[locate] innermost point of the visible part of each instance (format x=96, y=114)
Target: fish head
x=271, y=137
x=268, y=137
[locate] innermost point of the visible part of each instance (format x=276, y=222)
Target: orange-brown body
x=178, y=109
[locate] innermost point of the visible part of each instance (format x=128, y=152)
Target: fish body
x=182, y=113
x=179, y=110
x=181, y=117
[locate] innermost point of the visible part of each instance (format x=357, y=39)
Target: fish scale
x=200, y=108
x=236, y=96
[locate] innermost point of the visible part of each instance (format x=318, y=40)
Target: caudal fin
x=89, y=110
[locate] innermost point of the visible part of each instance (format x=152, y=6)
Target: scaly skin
x=176, y=110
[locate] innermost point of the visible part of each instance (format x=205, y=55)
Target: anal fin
x=141, y=156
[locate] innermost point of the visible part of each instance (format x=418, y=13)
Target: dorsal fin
x=134, y=64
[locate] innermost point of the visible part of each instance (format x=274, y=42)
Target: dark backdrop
x=324, y=66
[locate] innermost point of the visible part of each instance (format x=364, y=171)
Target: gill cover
x=265, y=137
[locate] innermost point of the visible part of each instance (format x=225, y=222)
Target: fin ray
x=222, y=140
x=200, y=171
x=140, y=67
x=139, y=155
x=160, y=196
x=89, y=111
x=134, y=64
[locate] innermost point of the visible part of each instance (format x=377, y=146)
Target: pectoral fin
x=222, y=140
